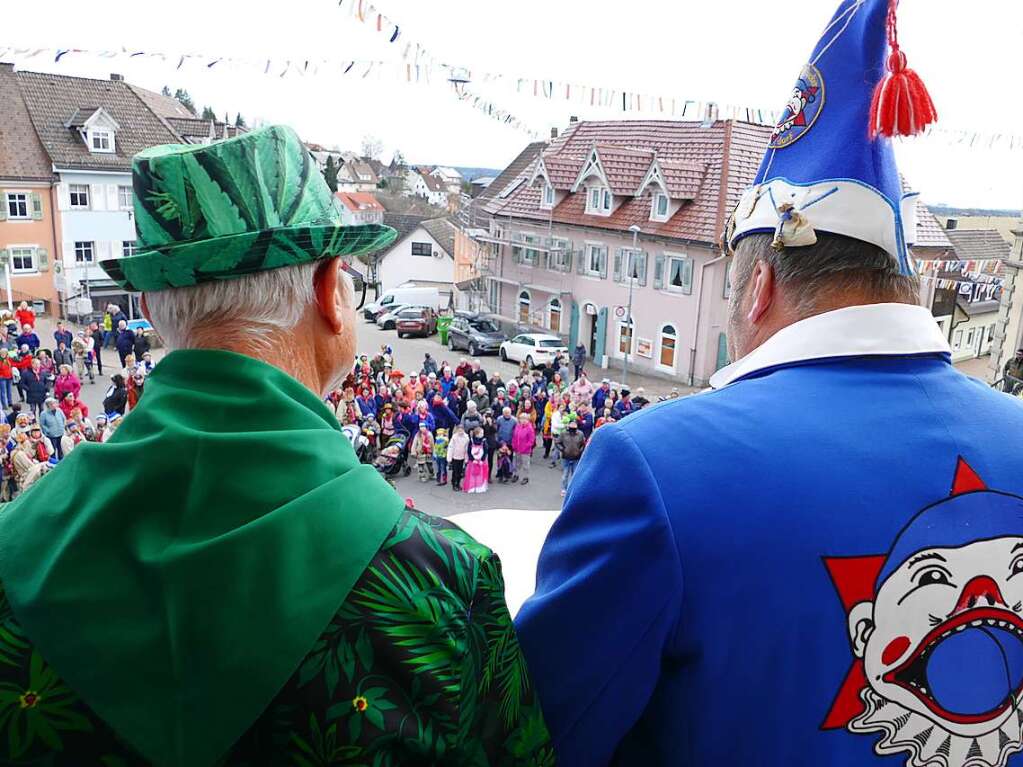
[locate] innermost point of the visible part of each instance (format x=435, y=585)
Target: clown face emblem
x=802, y=110
x=939, y=645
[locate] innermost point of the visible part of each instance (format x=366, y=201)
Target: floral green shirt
x=420, y=666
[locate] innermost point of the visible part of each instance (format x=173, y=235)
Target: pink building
x=563, y=231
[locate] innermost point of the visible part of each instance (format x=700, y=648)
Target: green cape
x=177, y=575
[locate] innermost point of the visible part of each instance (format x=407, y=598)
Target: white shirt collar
x=854, y=331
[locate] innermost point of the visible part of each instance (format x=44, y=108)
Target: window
x=79, y=195
x=23, y=260
x=127, y=248
x=524, y=308
x=668, y=340
x=422, y=249
x=84, y=252
x=17, y=205
x=559, y=258
x=680, y=275
x=958, y=342
x=596, y=261
x=124, y=198
x=625, y=337
x=554, y=315
x=530, y=256
x=599, y=201
x=660, y=207
x=101, y=140
x=548, y=196
x=635, y=265
x=969, y=339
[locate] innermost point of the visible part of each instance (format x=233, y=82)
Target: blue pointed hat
x=830, y=166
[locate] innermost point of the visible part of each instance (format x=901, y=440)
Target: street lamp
x=630, y=268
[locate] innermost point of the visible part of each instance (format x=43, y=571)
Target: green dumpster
x=443, y=323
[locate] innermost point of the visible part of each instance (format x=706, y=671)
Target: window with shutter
x=43, y=259
x=37, y=206
x=680, y=274
x=3, y=205
x=641, y=267
x=618, y=265
x=659, y=272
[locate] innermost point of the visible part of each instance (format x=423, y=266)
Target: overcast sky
x=733, y=51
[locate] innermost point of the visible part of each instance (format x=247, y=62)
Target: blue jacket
x=443, y=417
x=505, y=428
x=34, y=385
x=126, y=341
x=31, y=339
x=411, y=422
x=599, y=398
x=52, y=422
x=367, y=405
x=586, y=424
x=622, y=409
x=813, y=565
x=66, y=337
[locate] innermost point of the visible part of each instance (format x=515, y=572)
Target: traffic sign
x=619, y=311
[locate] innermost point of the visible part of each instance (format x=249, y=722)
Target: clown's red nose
x=982, y=591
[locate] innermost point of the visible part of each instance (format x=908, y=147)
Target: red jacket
x=25, y=317
x=5, y=367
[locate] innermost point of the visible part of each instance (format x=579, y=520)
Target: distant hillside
x=949, y=210
x=471, y=173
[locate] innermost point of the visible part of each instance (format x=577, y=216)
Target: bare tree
x=372, y=147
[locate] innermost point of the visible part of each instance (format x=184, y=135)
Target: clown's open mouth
x=969, y=669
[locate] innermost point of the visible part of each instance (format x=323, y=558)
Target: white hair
x=250, y=309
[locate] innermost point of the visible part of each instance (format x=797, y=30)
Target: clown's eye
x=934, y=576
x=1016, y=567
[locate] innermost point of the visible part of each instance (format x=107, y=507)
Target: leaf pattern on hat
x=219, y=214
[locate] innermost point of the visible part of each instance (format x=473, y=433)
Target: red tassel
x=901, y=105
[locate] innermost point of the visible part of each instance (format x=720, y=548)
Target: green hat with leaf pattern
x=231, y=208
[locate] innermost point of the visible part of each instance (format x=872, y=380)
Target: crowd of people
x=461, y=426
x=49, y=418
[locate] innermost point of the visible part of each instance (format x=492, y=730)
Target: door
x=600, y=339
x=722, y=351
x=592, y=335
x=573, y=327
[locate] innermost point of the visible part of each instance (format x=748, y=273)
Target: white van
x=412, y=296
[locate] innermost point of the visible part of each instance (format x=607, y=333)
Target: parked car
x=532, y=348
x=387, y=318
x=418, y=320
x=391, y=299
x=476, y=334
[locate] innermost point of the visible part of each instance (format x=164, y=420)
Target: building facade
x=422, y=255
x=610, y=237
x=29, y=225
x=360, y=208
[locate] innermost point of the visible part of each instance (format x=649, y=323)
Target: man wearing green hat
x=274, y=602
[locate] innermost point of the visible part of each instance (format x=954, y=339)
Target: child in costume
x=504, y=463
x=422, y=451
x=477, y=472
x=440, y=456
x=458, y=449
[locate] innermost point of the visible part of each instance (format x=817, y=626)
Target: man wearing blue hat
x=745, y=577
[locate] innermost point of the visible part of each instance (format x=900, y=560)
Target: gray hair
x=834, y=265
x=249, y=309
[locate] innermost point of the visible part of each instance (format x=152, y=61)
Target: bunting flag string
x=974, y=290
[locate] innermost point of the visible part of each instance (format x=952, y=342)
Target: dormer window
x=598, y=201
x=101, y=140
x=659, y=209
x=547, y=201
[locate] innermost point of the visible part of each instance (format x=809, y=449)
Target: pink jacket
x=523, y=438
x=65, y=384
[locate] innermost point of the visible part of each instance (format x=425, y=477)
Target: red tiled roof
x=562, y=170
x=359, y=201
x=693, y=160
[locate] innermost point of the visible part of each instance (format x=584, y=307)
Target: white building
x=450, y=177
x=360, y=208
x=423, y=255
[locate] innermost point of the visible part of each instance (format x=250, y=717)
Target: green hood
x=177, y=575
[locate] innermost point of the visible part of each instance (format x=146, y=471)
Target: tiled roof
x=364, y=169
x=52, y=99
x=514, y=170
x=195, y=130
x=976, y=244
x=443, y=231
x=404, y=225
x=710, y=165
x=81, y=116
x=359, y=201
x=164, y=106
x=435, y=184
x=22, y=157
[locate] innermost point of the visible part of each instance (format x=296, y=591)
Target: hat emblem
x=802, y=109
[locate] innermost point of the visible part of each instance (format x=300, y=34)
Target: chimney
x=116, y=77
x=6, y=66
x=710, y=116
x=573, y=119
x=554, y=133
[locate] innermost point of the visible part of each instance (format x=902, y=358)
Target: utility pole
x=630, y=266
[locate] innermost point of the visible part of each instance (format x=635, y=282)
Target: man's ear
x=761, y=291
x=328, y=286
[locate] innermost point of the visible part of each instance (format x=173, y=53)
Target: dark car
x=416, y=320
x=476, y=334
